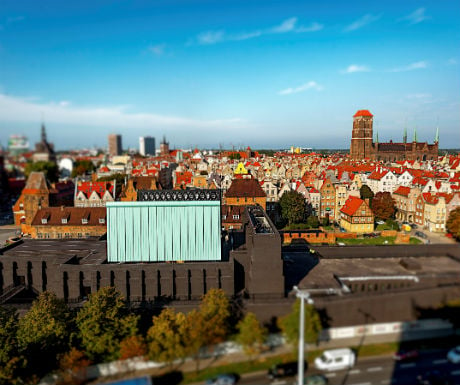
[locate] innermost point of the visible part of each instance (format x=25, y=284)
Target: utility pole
x=303, y=295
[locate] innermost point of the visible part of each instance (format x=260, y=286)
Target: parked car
x=454, y=355
x=421, y=235
x=335, y=359
x=283, y=370
x=380, y=222
x=223, y=379
x=406, y=355
x=414, y=226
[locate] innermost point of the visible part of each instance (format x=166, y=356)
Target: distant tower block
x=115, y=147
x=362, y=134
x=146, y=145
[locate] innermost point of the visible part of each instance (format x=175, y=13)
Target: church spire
x=415, y=134
x=405, y=134
x=436, y=139
x=43, y=134
x=377, y=138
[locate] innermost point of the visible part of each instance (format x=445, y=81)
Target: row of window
x=64, y=221
x=60, y=235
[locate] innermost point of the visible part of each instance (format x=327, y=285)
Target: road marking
x=279, y=383
x=411, y=365
x=376, y=369
x=354, y=371
x=438, y=362
x=455, y=372
x=330, y=375
x=362, y=383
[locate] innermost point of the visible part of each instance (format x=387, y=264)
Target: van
x=335, y=359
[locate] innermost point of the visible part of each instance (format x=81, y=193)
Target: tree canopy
x=165, y=337
x=103, y=322
x=10, y=361
x=82, y=167
x=366, y=193
x=453, y=223
x=289, y=324
x=251, y=334
x=292, y=207
x=50, y=169
x=383, y=205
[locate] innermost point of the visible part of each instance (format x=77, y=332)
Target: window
x=44, y=221
x=224, y=217
x=236, y=217
x=47, y=235
x=84, y=221
x=59, y=235
x=101, y=221
x=67, y=235
x=79, y=235
x=21, y=206
x=64, y=221
x=39, y=235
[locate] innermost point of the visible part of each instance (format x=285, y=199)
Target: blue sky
x=261, y=73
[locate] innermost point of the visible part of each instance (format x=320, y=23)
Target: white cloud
x=416, y=17
x=17, y=109
x=313, y=27
x=302, y=88
x=362, y=22
x=355, y=68
x=210, y=37
x=411, y=67
x=158, y=49
x=452, y=62
x=288, y=25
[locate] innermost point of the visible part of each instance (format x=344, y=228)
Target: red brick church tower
x=361, y=138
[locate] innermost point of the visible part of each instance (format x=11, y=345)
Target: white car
x=335, y=359
x=454, y=355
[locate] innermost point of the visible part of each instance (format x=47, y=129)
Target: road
x=377, y=371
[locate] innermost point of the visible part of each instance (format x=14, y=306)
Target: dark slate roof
x=245, y=188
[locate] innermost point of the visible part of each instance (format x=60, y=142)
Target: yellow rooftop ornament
x=240, y=169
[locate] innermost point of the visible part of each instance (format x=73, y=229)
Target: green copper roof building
x=165, y=226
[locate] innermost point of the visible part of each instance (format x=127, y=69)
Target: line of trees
x=51, y=336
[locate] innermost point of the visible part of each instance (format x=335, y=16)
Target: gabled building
x=244, y=192
x=94, y=194
x=405, y=201
x=133, y=185
x=68, y=222
x=356, y=216
x=327, y=192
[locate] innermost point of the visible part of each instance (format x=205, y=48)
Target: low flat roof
x=323, y=275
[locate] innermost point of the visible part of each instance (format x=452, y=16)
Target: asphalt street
x=376, y=371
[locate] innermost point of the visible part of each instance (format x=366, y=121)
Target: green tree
x=292, y=207
x=289, y=324
x=366, y=193
x=251, y=334
x=313, y=221
x=207, y=326
x=453, y=223
x=50, y=169
x=11, y=363
x=165, y=337
x=44, y=332
x=103, y=322
x=82, y=167
x=383, y=205
x=235, y=156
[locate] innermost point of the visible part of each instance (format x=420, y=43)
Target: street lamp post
x=303, y=295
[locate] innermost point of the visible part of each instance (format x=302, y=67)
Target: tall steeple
x=415, y=134
x=43, y=134
x=377, y=138
x=436, y=138
x=405, y=134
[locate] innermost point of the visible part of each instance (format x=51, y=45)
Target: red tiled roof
x=362, y=113
x=245, y=188
x=100, y=187
x=74, y=216
x=402, y=190
x=351, y=205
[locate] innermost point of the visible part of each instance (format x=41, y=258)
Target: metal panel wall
x=163, y=231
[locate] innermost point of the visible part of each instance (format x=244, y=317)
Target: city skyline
x=229, y=73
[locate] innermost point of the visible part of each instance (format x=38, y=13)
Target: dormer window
x=64, y=221
x=236, y=217
x=84, y=221
x=44, y=221
x=224, y=217
x=101, y=221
